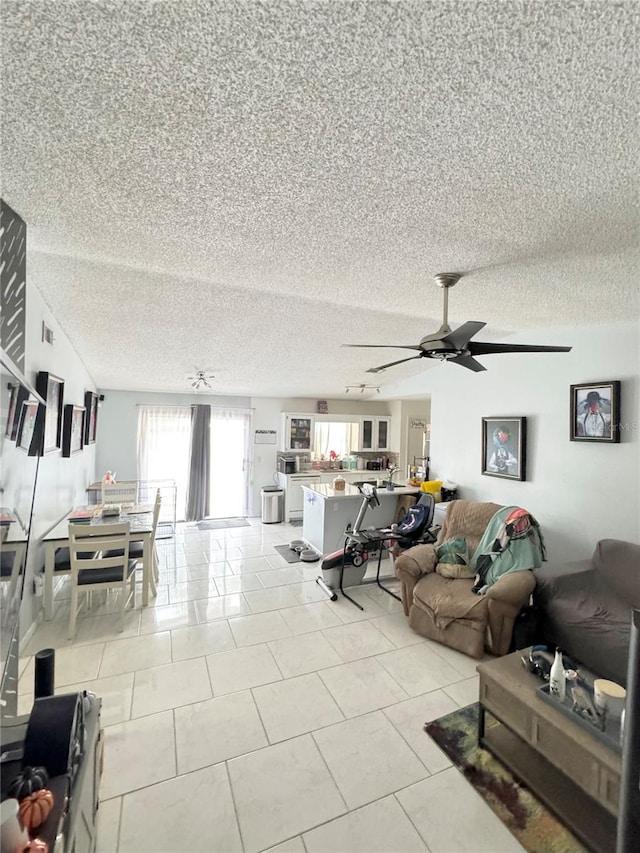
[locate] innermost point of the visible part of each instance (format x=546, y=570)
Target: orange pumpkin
x=35, y=808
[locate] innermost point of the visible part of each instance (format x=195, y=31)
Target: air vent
x=47, y=334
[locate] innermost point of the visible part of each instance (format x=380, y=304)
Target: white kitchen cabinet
x=297, y=432
x=375, y=433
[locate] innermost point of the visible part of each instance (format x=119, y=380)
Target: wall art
x=51, y=388
x=91, y=417
x=73, y=430
x=504, y=447
x=595, y=412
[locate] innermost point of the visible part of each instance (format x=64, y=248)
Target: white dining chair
x=136, y=549
x=100, y=560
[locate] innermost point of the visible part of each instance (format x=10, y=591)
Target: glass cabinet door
x=300, y=433
x=367, y=434
x=382, y=434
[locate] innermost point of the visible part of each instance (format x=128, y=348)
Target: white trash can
x=272, y=504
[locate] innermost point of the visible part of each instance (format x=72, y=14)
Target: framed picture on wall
x=29, y=435
x=504, y=448
x=51, y=388
x=17, y=396
x=73, y=430
x=91, y=417
x=595, y=412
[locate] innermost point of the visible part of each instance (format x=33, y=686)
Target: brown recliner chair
x=444, y=608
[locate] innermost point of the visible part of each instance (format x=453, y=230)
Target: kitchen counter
x=327, y=512
x=324, y=490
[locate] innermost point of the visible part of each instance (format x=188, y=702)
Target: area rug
x=536, y=828
x=289, y=555
x=218, y=523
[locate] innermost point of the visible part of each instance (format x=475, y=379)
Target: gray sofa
x=585, y=607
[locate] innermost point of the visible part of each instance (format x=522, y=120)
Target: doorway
x=230, y=463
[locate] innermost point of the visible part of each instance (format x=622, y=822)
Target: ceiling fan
x=201, y=380
x=454, y=345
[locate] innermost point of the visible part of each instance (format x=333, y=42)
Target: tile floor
x=243, y=711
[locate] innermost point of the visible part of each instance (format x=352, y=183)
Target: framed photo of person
x=72, y=430
x=51, y=388
x=504, y=448
x=29, y=435
x=91, y=417
x=595, y=412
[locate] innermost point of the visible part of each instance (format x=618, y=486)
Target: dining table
x=140, y=518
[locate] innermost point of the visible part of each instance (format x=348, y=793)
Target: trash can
x=272, y=500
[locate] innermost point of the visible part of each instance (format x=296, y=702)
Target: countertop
x=324, y=490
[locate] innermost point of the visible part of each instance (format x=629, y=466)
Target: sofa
x=585, y=606
x=444, y=608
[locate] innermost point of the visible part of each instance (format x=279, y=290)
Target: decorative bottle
x=557, y=682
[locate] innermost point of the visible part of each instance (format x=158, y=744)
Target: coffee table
x=573, y=773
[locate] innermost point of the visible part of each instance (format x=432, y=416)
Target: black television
x=20, y=445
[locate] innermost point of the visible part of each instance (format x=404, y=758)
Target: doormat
x=289, y=555
x=296, y=522
x=218, y=523
x=519, y=809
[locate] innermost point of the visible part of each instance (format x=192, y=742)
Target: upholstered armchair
x=441, y=605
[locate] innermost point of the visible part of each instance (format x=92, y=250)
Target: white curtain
x=231, y=460
x=164, y=434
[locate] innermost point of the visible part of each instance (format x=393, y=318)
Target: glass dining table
x=140, y=518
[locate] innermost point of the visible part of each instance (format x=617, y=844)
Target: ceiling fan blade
x=468, y=362
x=461, y=336
x=382, y=346
x=392, y=363
x=486, y=348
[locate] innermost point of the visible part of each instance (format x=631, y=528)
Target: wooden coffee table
x=572, y=772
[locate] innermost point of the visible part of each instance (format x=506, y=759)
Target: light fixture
x=200, y=380
x=362, y=388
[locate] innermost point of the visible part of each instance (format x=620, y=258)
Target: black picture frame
x=18, y=395
x=91, y=417
x=595, y=412
x=29, y=435
x=73, y=430
x=52, y=389
x=504, y=447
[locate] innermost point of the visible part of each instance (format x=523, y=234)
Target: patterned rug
x=522, y=813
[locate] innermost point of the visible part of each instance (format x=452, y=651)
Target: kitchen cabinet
x=297, y=432
x=375, y=433
x=293, y=493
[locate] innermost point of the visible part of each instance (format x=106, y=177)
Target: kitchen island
x=328, y=511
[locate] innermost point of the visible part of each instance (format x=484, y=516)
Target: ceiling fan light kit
x=454, y=345
x=201, y=380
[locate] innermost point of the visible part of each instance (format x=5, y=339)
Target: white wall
x=118, y=424
x=62, y=482
x=579, y=492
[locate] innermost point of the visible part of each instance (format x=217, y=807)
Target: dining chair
x=100, y=560
x=125, y=492
x=136, y=549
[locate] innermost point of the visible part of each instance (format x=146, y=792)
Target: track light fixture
x=362, y=387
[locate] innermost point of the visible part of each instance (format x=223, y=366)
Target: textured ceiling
x=243, y=186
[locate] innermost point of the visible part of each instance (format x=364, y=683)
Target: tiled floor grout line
x=408, y=816
x=233, y=800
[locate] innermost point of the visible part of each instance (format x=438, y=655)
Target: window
x=163, y=448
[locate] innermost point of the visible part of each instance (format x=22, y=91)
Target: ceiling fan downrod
x=445, y=280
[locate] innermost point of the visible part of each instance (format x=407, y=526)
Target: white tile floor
x=243, y=711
